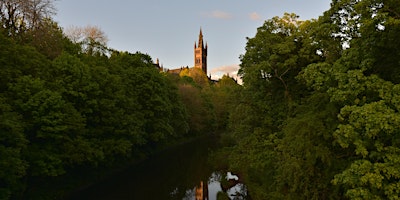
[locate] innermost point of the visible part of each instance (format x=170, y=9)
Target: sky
x=168, y=29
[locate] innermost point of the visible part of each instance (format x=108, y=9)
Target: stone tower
x=200, y=54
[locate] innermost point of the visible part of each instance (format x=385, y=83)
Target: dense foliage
x=79, y=110
x=318, y=114
x=67, y=106
x=316, y=118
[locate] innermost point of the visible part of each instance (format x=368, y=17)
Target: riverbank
x=134, y=162
x=80, y=179
x=173, y=171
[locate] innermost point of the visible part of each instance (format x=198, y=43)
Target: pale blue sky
x=167, y=29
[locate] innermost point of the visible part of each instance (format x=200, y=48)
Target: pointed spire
x=201, y=39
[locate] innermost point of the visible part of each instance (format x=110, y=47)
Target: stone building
x=200, y=58
x=200, y=54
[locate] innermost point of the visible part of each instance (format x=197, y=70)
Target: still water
x=183, y=172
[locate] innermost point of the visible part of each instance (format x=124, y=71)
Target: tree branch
x=283, y=81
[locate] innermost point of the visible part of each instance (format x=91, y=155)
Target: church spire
x=201, y=39
x=200, y=53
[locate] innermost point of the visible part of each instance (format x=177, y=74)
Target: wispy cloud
x=231, y=70
x=225, y=69
x=218, y=14
x=254, y=16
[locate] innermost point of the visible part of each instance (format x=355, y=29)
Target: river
x=183, y=172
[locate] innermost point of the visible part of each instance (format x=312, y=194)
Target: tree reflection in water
x=233, y=190
x=173, y=174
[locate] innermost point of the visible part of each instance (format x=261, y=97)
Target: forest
x=317, y=116
x=69, y=104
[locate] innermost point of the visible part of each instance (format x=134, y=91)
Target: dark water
x=179, y=173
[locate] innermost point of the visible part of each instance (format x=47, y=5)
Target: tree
x=50, y=124
x=222, y=95
x=12, y=144
x=362, y=84
x=17, y=16
x=197, y=96
x=91, y=38
x=197, y=74
x=273, y=54
x=49, y=39
x=284, y=129
x=306, y=159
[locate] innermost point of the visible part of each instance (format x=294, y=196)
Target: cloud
x=231, y=70
x=218, y=14
x=254, y=16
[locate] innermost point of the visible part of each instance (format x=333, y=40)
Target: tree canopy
x=318, y=115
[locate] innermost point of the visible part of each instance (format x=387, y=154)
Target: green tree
x=362, y=84
x=62, y=110
x=222, y=96
x=284, y=129
x=191, y=98
x=272, y=58
x=49, y=39
x=49, y=122
x=197, y=74
x=72, y=79
x=12, y=144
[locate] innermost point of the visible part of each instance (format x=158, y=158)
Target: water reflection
x=201, y=192
x=235, y=190
x=180, y=173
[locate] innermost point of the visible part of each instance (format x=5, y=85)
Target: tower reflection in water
x=202, y=191
x=232, y=188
